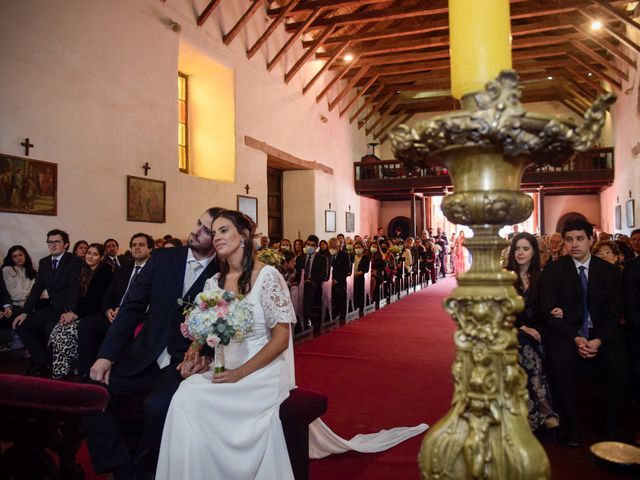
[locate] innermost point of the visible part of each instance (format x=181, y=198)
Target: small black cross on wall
x=27, y=146
x=247, y=187
x=146, y=168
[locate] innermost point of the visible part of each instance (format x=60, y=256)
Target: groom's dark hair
x=215, y=211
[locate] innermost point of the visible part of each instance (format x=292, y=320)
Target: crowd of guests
x=389, y=261
x=580, y=327
x=581, y=292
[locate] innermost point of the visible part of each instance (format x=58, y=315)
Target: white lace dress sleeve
x=275, y=298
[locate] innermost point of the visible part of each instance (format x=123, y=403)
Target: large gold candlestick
x=486, y=148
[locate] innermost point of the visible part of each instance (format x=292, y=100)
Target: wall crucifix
x=27, y=145
x=146, y=168
x=247, y=187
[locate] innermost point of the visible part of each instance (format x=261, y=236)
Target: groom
x=149, y=363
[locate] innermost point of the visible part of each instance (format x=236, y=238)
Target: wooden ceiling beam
x=395, y=121
x=332, y=82
x=378, y=108
x=388, y=33
x=597, y=72
x=228, y=37
x=366, y=103
x=600, y=59
x=404, y=119
x=307, y=54
x=571, y=106
x=613, y=32
x=616, y=13
x=359, y=93
x=393, y=13
x=271, y=28
x=605, y=43
x=324, y=68
x=581, y=75
x=292, y=39
x=207, y=12
x=347, y=87
x=309, y=6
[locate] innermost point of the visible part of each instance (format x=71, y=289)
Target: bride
x=227, y=425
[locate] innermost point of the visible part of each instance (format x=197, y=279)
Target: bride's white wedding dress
x=232, y=430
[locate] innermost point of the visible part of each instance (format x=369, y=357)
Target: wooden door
x=274, y=204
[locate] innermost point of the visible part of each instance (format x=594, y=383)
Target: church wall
x=390, y=210
x=557, y=206
x=93, y=84
x=626, y=120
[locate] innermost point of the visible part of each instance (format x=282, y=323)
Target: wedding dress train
x=232, y=431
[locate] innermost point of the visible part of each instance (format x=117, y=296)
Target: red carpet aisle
x=393, y=368
x=389, y=369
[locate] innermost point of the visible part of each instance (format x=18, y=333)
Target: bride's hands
x=228, y=376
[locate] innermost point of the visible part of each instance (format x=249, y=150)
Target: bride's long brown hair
x=246, y=227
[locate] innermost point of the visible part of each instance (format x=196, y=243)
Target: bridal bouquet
x=216, y=317
x=270, y=256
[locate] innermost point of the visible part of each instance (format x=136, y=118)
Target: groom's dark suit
x=560, y=287
x=135, y=369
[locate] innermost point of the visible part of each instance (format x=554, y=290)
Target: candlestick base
x=486, y=148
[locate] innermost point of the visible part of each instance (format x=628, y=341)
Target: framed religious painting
x=631, y=213
x=618, y=217
x=329, y=220
x=28, y=186
x=248, y=206
x=350, y=221
x=146, y=200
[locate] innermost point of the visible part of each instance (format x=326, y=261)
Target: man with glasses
x=58, y=274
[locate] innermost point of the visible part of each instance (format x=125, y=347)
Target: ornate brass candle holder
x=486, y=147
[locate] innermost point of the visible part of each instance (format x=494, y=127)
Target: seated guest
x=58, y=273
x=298, y=247
x=556, y=246
x=581, y=302
x=111, y=248
x=93, y=328
x=80, y=248
x=264, y=243
x=323, y=248
x=361, y=263
x=543, y=248
x=348, y=247
x=159, y=242
x=429, y=261
x=316, y=271
x=626, y=252
x=407, y=263
x=18, y=276
x=285, y=245
x=341, y=268
x=288, y=267
x=172, y=243
x=608, y=251
x=95, y=278
x=524, y=260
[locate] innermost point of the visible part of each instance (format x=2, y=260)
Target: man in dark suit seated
x=582, y=303
x=151, y=363
x=93, y=329
x=316, y=271
x=112, y=258
x=341, y=269
x=58, y=274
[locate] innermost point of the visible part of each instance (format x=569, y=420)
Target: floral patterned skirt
x=540, y=405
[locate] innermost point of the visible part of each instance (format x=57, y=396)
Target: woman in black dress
x=524, y=260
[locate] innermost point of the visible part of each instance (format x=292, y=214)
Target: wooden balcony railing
x=595, y=159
